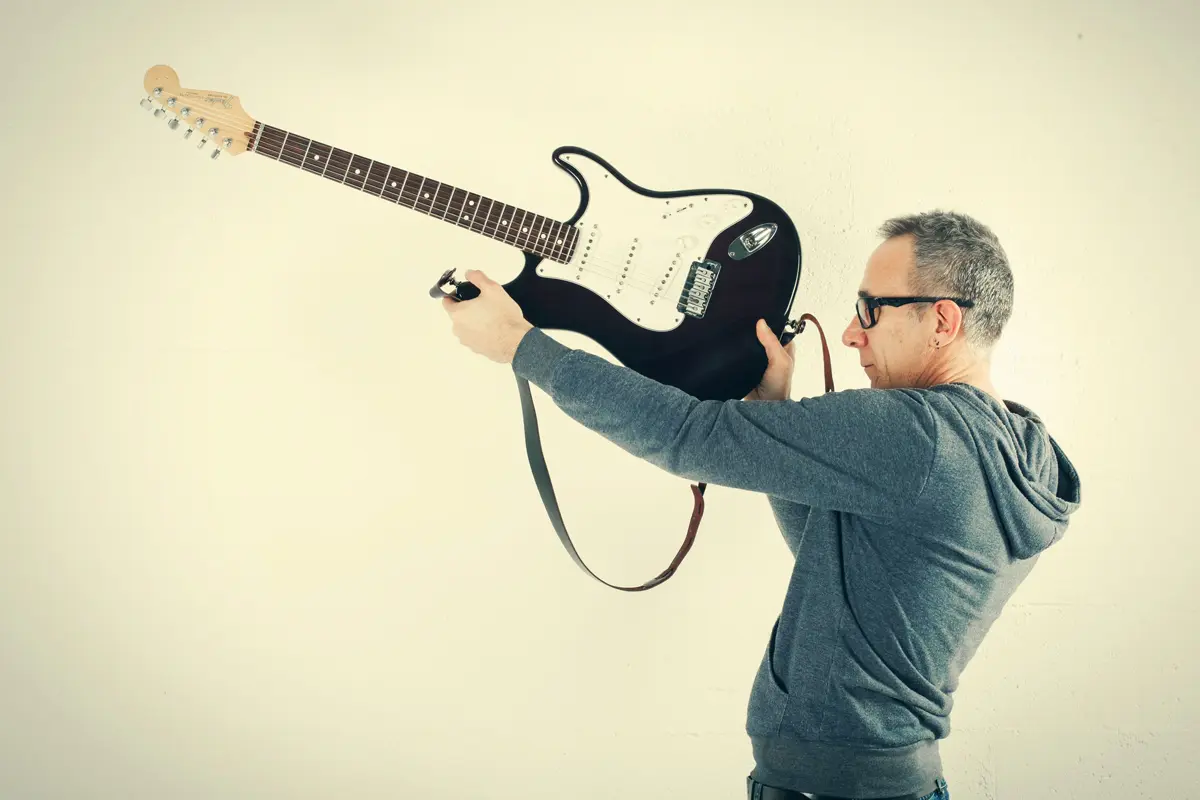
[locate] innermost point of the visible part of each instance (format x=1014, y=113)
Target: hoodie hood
x=1032, y=482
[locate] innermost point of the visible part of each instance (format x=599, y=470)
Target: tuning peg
x=203, y=141
x=159, y=113
x=173, y=124
x=147, y=103
x=189, y=133
x=216, y=153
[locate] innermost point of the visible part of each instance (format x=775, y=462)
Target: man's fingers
x=479, y=279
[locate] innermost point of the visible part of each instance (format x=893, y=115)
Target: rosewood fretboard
x=522, y=229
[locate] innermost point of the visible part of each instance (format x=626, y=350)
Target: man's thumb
x=769, y=342
x=478, y=278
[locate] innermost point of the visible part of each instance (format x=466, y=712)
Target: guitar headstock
x=217, y=116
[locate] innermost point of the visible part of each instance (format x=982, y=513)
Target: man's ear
x=949, y=317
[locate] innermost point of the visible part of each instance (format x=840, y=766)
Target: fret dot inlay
x=290, y=148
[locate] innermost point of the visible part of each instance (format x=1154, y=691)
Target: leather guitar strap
x=537, y=462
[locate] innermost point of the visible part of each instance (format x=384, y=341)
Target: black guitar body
x=717, y=356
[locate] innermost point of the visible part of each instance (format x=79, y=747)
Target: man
x=913, y=509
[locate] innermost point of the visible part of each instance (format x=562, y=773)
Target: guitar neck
x=522, y=229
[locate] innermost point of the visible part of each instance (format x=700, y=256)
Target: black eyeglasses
x=867, y=306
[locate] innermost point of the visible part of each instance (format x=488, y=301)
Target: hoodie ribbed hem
x=823, y=768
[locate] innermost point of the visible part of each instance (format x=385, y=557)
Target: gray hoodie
x=912, y=516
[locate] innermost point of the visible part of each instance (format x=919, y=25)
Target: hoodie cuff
x=536, y=357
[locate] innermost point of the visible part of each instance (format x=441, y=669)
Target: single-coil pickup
x=698, y=288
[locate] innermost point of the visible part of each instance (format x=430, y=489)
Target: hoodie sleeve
x=864, y=451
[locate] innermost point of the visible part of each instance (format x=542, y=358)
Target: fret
x=553, y=237
x=339, y=165
x=516, y=221
x=425, y=192
x=532, y=235
x=561, y=240
x=540, y=235
x=509, y=224
x=410, y=190
x=492, y=223
x=469, y=215
x=523, y=229
x=554, y=240
x=292, y=151
x=441, y=200
x=356, y=176
x=531, y=239
x=496, y=221
x=480, y=212
x=456, y=204
x=535, y=228
x=271, y=143
x=375, y=178
x=318, y=158
x=393, y=185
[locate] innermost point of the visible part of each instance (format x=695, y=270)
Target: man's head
x=933, y=254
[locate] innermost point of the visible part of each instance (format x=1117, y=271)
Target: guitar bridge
x=698, y=288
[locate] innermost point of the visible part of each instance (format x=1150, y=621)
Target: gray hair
x=958, y=256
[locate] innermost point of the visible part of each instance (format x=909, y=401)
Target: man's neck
x=977, y=374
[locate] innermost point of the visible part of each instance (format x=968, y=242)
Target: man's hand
x=491, y=324
x=776, y=383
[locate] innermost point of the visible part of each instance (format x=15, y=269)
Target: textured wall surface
x=269, y=531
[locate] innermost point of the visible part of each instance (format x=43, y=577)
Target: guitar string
x=435, y=205
x=599, y=265
x=612, y=273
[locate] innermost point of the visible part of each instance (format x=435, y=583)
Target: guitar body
x=640, y=250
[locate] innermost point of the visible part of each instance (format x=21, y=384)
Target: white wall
x=270, y=530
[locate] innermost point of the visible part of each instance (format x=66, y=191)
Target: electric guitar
x=671, y=283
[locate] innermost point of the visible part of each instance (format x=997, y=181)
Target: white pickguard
x=636, y=251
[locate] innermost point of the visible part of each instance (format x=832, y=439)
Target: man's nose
x=853, y=335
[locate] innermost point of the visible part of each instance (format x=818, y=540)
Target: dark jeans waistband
x=760, y=791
